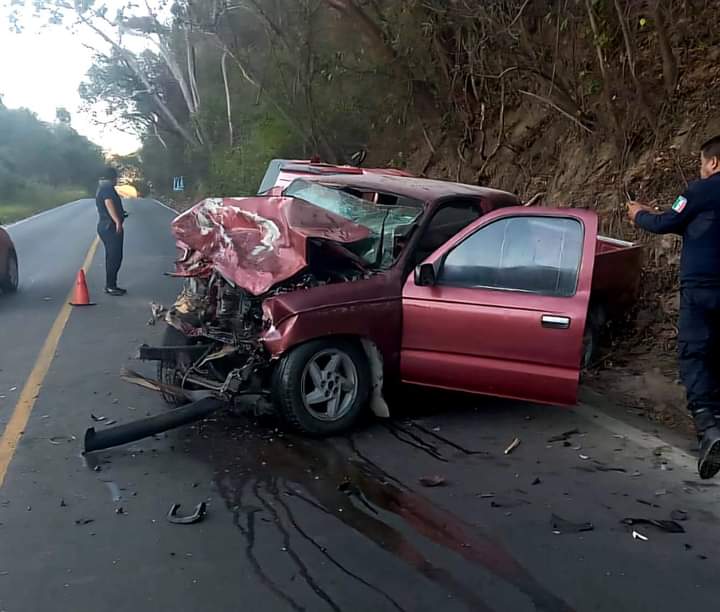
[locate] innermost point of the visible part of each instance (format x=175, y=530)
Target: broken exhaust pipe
x=143, y=428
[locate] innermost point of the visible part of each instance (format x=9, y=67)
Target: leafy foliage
x=41, y=163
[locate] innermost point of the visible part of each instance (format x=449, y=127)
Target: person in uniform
x=110, y=228
x=695, y=216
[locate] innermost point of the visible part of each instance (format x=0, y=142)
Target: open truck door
x=500, y=309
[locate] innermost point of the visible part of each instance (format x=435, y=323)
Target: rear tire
x=321, y=388
x=10, y=279
x=592, y=336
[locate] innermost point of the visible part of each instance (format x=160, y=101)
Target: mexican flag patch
x=679, y=204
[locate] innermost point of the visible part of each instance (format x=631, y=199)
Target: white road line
x=159, y=203
x=46, y=212
x=645, y=440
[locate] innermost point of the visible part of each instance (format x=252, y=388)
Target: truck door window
x=531, y=254
x=446, y=222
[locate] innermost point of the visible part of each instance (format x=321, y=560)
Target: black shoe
x=116, y=291
x=709, y=460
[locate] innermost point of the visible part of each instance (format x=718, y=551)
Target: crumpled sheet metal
x=258, y=242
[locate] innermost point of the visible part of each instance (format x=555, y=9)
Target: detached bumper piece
x=169, y=353
x=143, y=428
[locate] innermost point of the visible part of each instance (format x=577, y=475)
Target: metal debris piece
x=62, y=503
x=158, y=311
x=537, y=481
x=645, y=502
x=639, y=536
x=564, y=436
x=584, y=457
x=679, y=515
x=97, y=419
x=666, y=526
x=119, y=510
x=84, y=521
x=432, y=481
x=197, y=516
x=660, y=492
x=513, y=445
x=560, y=525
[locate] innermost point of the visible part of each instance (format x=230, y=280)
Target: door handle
x=555, y=321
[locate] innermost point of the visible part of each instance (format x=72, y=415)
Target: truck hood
x=256, y=242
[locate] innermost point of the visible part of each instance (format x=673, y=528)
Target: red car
x=320, y=297
x=9, y=277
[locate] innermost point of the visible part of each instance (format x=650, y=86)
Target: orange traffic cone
x=81, y=297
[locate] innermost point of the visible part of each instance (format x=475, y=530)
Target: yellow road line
x=31, y=390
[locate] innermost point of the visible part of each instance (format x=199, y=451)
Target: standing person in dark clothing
x=695, y=216
x=110, y=228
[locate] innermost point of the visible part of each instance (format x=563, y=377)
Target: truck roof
x=421, y=189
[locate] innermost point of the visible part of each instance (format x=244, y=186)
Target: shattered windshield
x=396, y=221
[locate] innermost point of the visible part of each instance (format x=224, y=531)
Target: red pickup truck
x=322, y=296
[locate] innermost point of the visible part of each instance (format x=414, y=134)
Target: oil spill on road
x=271, y=480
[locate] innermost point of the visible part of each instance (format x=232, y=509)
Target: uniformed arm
x=115, y=214
x=671, y=221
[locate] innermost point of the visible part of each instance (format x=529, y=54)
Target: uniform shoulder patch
x=679, y=204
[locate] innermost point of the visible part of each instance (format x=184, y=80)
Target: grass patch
x=37, y=198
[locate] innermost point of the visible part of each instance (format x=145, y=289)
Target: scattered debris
x=509, y=503
x=197, y=516
x=513, y=445
x=62, y=503
x=560, y=525
x=432, y=481
x=608, y=468
x=647, y=503
x=84, y=521
x=97, y=419
x=537, y=481
x=584, y=457
x=564, y=436
x=61, y=439
x=666, y=526
x=119, y=510
x=158, y=311
x=660, y=492
x=679, y=515
x=639, y=536
x=486, y=495
x=111, y=422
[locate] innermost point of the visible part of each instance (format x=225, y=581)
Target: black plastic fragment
x=564, y=526
x=666, y=526
x=197, y=516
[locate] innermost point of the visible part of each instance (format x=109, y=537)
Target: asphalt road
x=297, y=524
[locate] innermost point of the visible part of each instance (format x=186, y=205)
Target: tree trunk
x=630, y=53
x=223, y=65
x=603, y=69
x=670, y=66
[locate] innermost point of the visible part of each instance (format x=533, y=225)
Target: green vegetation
x=42, y=165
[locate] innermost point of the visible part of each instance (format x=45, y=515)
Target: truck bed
x=616, y=279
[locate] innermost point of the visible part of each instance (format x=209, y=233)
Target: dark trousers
x=113, y=243
x=699, y=348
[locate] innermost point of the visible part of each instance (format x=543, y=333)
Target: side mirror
x=425, y=275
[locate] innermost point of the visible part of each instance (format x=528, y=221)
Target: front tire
x=321, y=388
x=170, y=371
x=11, y=278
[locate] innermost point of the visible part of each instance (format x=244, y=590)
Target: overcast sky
x=41, y=69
